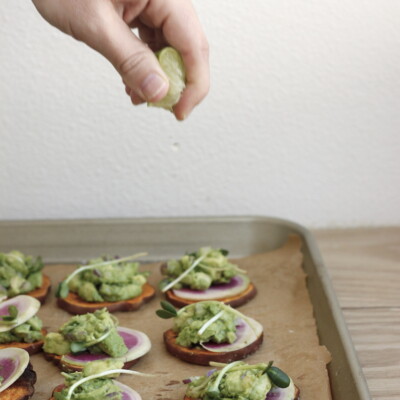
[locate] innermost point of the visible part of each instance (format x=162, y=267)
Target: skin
x=106, y=26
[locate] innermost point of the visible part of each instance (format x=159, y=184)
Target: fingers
x=135, y=62
x=182, y=30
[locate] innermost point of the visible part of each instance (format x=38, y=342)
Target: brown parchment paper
x=282, y=305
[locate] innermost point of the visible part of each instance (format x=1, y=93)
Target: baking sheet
x=282, y=306
x=71, y=241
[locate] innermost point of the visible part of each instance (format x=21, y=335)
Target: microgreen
x=168, y=310
x=183, y=274
x=277, y=376
x=213, y=392
x=209, y=322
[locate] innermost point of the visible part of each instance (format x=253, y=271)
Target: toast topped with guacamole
x=91, y=337
x=22, y=274
x=19, y=325
x=205, y=274
x=210, y=331
x=115, y=284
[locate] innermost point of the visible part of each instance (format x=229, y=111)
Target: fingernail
x=153, y=85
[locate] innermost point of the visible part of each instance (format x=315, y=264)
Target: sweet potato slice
x=75, y=305
x=200, y=356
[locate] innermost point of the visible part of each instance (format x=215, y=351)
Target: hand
x=105, y=25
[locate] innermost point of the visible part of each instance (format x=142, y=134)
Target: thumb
x=136, y=63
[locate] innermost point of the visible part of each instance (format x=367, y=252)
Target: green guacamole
x=191, y=318
x=28, y=332
x=19, y=273
x=93, y=332
x=114, y=282
x=213, y=269
x=242, y=382
x=94, y=389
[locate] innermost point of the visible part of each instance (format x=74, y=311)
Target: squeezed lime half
x=172, y=64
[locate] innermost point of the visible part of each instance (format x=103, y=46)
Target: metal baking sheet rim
x=72, y=240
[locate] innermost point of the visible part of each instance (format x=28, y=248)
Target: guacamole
x=115, y=282
x=93, y=332
x=213, y=269
x=28, y=332
x=192, y=318
x=19, y=273
x=94, y=389
x=240, y=382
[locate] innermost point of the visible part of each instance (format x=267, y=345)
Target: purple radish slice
x=13, y=362
x=138, y=344
x=247, y=331
x=237, y=285
x=27, y=308
x=128, y=393
x=277, y=393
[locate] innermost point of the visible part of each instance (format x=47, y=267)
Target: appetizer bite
x=96, y=382
x=210, y=331
x=19, y=325
x=91, y=337
x=238, y=381
x=17, y=378
x=205, y=275
x=21, y=274
x=115, y=284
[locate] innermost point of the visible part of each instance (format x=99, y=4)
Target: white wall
x=302, y=121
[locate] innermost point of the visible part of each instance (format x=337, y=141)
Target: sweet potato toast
x=22, y=388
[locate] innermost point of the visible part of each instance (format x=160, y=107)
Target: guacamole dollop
x=241, y=382
x=94, y=389
x=19, y=273
x=93, y=332
x=28, y=332
x=113, y=282
x=213, y=269
x=192, y=318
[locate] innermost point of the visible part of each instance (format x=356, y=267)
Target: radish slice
x=13, y=362
x=237, y=285
x=138, y=344
x=27, y=308
x=128, y=393
x=247, y=331
x=277, y=393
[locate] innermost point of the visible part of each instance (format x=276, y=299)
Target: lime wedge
x=172, y=64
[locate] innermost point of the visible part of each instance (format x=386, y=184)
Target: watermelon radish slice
x=128, y=393
x=237, y=285
x=13, y=362
x=27, y=308
x=137, y=342
x=277, y=393
x=247, y=331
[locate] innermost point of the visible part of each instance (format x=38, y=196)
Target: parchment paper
x=282, y=306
